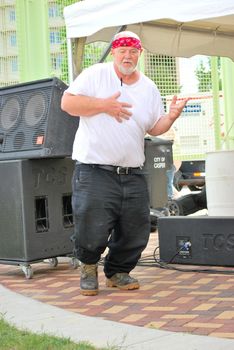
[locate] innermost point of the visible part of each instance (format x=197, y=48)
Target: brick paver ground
x=169, y=299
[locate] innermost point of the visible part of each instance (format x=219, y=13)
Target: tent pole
x=216, y=109
x=106, y=52
x=227, y=72
x=70, y=61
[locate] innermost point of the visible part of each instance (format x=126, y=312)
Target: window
x=55, y=37
x=56, y=62
x=53, y=11
x=14, y=65
x=12, y=39
x=12, y=15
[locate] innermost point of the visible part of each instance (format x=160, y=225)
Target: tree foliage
x=204, y=77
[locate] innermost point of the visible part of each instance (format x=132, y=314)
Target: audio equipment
x=197, y=240
x=158, y=159
x=32, y=124
x=36, y=219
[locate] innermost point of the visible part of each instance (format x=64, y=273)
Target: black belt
x=117, y=169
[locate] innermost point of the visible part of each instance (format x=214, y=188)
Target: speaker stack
x=36, y=139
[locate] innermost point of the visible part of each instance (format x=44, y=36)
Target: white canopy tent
x=177, y=28
x=170, y=27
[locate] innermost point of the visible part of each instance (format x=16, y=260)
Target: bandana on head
x=126, y=41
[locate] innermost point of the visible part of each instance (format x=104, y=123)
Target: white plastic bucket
x=220, y=183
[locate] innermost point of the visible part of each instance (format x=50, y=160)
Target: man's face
x=126, y=59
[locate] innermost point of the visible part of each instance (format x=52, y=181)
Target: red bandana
x=126, y=42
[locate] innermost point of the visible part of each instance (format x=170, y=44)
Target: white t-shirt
x=100, y=139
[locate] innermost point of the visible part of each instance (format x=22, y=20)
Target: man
x=117, y=106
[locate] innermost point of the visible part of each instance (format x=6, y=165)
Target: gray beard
x=127, y=71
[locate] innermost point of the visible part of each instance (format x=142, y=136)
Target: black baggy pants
x=110, y=210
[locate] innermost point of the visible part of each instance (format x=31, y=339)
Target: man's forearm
x=162, y=125
x=86, y=106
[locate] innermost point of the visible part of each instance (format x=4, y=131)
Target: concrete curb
x=39, y=317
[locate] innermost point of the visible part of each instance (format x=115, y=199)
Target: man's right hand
x=118, y=110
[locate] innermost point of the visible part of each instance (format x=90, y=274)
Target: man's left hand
x=176, y=108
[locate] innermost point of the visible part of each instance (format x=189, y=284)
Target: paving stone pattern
x=181, y=301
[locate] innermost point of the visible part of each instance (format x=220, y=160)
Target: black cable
x=165, y=265
x=154, y=261
x=178, y=251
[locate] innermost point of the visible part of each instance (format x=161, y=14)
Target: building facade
x=10, y=40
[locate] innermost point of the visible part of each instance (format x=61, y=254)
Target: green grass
x=13, y=339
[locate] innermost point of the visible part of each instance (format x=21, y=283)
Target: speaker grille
x=30, y=132
x=19, y=140
x=35, y=109
x=10, y=113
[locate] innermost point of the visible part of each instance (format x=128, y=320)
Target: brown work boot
x=89, y=279
x=122, y=280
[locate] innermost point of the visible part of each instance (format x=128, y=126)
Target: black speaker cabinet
x=35, y=209
x=197, y=240
x=32, y=124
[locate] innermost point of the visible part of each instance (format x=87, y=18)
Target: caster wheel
x=27, y=270
x=53, y=262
